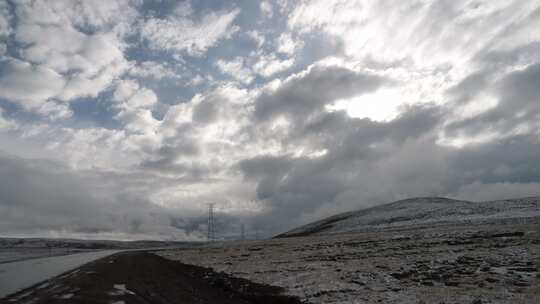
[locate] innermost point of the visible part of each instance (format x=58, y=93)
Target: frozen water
x=19, y=275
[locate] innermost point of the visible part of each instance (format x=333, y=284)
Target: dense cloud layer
x=124, y=119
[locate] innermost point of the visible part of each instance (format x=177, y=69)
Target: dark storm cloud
x=32, y=188
x=368, y=162
x=167, y=157
x=346, y=136
x=498, y=59
x=305, y=94
x=359, y=175
x=264, y=165
x=518, y=103
x=469, y=87
x=268, y=171
x=514, y=159
x=356, y=148
x=298, y=185
x=227, y=225
x=521, y=89
x=39, y=197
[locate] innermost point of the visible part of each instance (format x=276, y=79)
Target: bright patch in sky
x=381, y=105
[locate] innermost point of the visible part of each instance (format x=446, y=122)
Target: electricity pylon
x=211, y=229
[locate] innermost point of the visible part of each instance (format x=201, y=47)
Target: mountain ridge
x=421, y=211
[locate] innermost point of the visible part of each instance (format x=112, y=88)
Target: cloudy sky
x=125, y=118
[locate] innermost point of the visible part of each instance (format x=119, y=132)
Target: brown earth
x=141, y=277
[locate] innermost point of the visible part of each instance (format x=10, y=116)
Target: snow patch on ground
x=120, y=290
x=66, y=296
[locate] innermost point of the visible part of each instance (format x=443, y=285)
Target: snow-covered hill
x=422, y=211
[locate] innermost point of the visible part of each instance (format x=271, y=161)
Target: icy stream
x=19, y=275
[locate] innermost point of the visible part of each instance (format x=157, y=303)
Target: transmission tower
x=211, y=229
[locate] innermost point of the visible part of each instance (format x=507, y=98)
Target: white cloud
x=216, y=120
x=60, y=60
x=131, y=96
x=141, y=121
x=181, y=33
x=28, y=84
x=89, y=63
x=56, y=47
x=429, y=47
x=267, y=10
x=54, y=110
x=257, y=37
x=93, y=15
x=287, y=45
x=430, y=33
x=5, y=18
x=268, y=65
x=5, y=124
x=154, y=70
x=135, y=104
x=237, y=69
x=81, y=148
x=195, y=81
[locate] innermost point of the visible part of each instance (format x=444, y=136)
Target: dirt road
x=140, y=277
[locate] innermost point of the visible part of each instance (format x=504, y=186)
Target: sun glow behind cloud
x=381, y=105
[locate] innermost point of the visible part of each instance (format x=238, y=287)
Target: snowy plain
x=423, y=211
x=451, y=265
x=425, y=250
